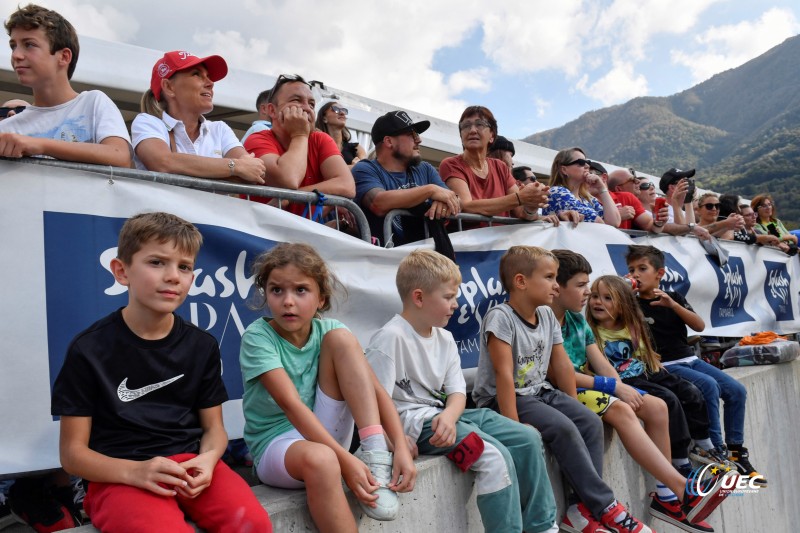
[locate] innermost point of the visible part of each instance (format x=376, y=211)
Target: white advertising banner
x=59, y=233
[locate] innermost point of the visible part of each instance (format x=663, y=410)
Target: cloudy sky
x=536, y=63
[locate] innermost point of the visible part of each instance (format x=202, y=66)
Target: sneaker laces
x=629, y=523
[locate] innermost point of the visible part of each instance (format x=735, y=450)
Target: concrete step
x=444, y=498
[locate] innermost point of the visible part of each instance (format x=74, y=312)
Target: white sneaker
x=380, y=464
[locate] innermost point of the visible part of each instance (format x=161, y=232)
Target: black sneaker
x=672, y=513
x=32, y=504
x=714, y=456
x=740, y=457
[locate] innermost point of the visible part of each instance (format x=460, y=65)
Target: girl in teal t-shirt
x=305, y=382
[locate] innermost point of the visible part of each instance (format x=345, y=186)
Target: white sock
x=374, y=442
x=706, y=444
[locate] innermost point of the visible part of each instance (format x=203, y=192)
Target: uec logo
x=696, y=485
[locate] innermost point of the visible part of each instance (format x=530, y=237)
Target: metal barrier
x=223, y=186
x=459, y=219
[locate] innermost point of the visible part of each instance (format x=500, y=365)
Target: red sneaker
x=578, y=519
x=696, y=506
x=629, y=524
x=672, y=513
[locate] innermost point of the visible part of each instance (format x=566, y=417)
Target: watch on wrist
x=691, y=226
x=231, y=165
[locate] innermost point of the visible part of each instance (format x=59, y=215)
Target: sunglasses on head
x=339, y=110
x=4, y=111
x=579, y=162
x=710, y=206
x=282, y=80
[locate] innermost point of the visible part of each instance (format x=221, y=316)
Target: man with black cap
x=679, y=189
x=398, y=178
x=502, y=149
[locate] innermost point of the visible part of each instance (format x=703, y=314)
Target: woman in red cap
x=172, y=135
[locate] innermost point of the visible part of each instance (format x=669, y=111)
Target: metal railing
x=310, y=199
x=458, y=219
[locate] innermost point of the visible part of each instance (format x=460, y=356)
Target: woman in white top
x=172, y=135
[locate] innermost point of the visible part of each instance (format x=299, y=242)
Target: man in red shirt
x=296, y=156
x=633, y=214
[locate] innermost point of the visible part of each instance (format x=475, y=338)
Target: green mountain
x=740, y=129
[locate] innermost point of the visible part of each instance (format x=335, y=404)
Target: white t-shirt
x=418, y=372
x=215, y=140
x=90, y=117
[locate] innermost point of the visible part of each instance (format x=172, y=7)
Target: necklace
x=481, y=169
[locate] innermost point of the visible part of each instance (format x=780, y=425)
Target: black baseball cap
x=501, y=143
x=395, y=122
x=594, y=165
x=673, y=175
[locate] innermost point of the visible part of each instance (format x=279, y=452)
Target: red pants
x=227, y=505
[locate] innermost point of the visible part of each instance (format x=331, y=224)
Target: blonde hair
x=161, y=227
x=426, y=270
x=626, y=311
x=306, y=259
x=149, y=105
x=521, y=260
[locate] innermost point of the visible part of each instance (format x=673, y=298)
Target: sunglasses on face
x=646, y=185
x=579, y=162
x=282, y=80
x=339, y=110
x=4, y=111
x=710, y=206
x=479, y=124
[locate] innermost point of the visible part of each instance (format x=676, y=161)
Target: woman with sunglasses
x=768, y=223
x=645, y=191
x=573, y=187
x=750, y=233
x=708, y=208
x=332, y=119
x=172, y=135
x=485, y=185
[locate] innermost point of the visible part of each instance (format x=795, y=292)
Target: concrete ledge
x=444, y=499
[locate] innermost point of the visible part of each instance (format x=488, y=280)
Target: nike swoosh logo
x=127, y=395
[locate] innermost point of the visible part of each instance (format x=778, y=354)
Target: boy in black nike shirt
x=140, y=398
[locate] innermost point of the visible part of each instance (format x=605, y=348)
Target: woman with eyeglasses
x=332, y=119
x=708, y=213
x=768, y=223
x=485, y=185
x=750, y=234
x=171, y=134
x=574, y=188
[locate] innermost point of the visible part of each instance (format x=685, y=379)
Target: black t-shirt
x=669, y=331
x=143, y=396
x=349, y=152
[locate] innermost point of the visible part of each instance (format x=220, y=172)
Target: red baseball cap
x=178, y=60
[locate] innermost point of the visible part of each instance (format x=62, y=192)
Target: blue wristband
x=605, y=384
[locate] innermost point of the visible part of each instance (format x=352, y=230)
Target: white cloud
x=542, y=106
x=476, y=79
x=725, y=47
x=535, y=35
x=620, y=84
x=100, y=21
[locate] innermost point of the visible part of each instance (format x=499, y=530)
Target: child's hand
x=444, y=431
x=662, y=299
x=157, y=474
x=412, y=447
x=629, y=395
x=16, y=145
x=359, y=479
x=200, y=470
x=404, y=468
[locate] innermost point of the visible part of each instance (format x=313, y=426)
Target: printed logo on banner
x=728, y=306
x=676, y=277
x=81, y=290
x=777, y=290
x=480, y=290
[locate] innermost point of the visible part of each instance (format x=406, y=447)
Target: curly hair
x=58, y=30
